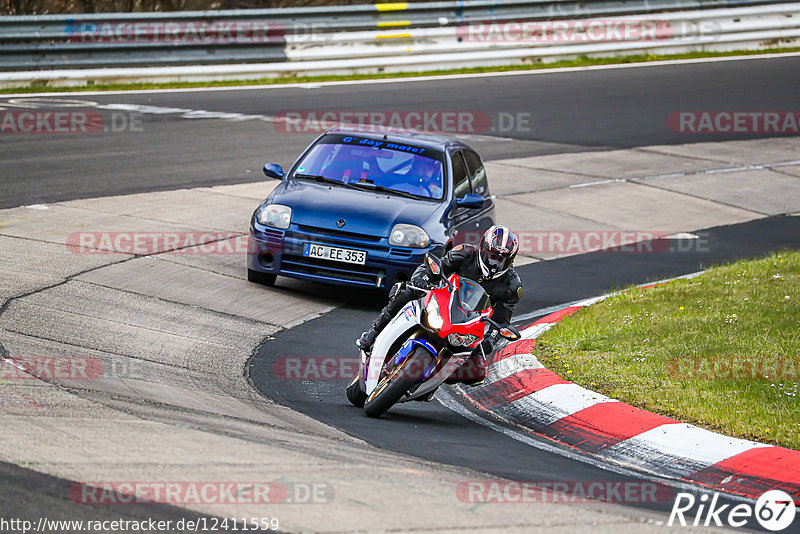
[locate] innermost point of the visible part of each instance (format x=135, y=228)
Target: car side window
x=477, y=174
x=460, y=176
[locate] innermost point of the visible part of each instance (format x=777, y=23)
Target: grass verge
x=721, y=350
x=579, y=62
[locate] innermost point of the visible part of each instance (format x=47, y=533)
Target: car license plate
x=344, y=255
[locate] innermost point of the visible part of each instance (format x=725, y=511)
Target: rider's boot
x=367, y=339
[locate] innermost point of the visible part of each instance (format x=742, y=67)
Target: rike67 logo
x=774, y=511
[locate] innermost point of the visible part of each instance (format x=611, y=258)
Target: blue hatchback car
x=361, y=209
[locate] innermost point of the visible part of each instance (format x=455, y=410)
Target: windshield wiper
x=358, y=185
x=318, y=178
x=381, y=189
x=326, y=180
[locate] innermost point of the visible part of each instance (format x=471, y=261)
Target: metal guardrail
x=262, y=36
x=751, y=25
x=226, y=45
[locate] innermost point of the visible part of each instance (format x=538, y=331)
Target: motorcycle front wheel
x=392, y=387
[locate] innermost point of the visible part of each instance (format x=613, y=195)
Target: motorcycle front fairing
x=402, y=327
x=463, y=308
x=406, y=319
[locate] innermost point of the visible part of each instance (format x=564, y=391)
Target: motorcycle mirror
x=434, y=264
x=510, y=333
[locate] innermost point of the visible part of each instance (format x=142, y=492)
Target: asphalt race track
x=434, y=432
x=195, y=138
x=567, y=112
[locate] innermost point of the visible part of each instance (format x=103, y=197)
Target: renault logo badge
x=340, y=223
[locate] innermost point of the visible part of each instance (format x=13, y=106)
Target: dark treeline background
x=43, y=7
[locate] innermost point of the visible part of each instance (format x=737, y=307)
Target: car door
x=464, y=223
x=483, y=218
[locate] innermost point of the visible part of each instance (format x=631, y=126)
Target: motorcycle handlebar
x=425, y=289
x=449, y=285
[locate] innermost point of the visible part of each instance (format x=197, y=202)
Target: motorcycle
x=425, y=343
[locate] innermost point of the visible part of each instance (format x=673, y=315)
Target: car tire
x=258, y=277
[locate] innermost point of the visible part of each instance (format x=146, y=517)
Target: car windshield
x=387, y=166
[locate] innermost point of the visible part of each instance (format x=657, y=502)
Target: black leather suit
x=504, y=292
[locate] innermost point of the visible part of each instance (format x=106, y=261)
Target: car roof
x=423, y=139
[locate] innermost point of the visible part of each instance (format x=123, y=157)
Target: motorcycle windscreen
x=470, y=301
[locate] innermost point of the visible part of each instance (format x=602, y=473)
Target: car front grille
x=323, y=236
x=373, y=276
x=338, y=234
x=294, y=261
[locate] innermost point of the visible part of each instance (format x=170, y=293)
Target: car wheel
x=266, y=279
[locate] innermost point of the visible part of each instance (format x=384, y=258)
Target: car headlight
x=461, y=340
x=432, y=316
x=275, y=216
x=408, y=235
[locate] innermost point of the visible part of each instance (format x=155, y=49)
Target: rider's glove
x=493, y=336
x=490, y=340
x=422, y=283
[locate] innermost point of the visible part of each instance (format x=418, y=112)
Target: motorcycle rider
x=490, y=264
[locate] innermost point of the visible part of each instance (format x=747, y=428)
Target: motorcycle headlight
x=432, y=316
x=408, y=235
x=461, y=340
x=275, y=216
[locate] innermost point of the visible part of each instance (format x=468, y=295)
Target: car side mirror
x=470, y=201
x=273, y=170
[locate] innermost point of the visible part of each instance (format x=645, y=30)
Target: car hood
x=322, y=206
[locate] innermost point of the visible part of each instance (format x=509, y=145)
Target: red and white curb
x=521, y=391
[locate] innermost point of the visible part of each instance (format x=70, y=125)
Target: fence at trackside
x=393, y=37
